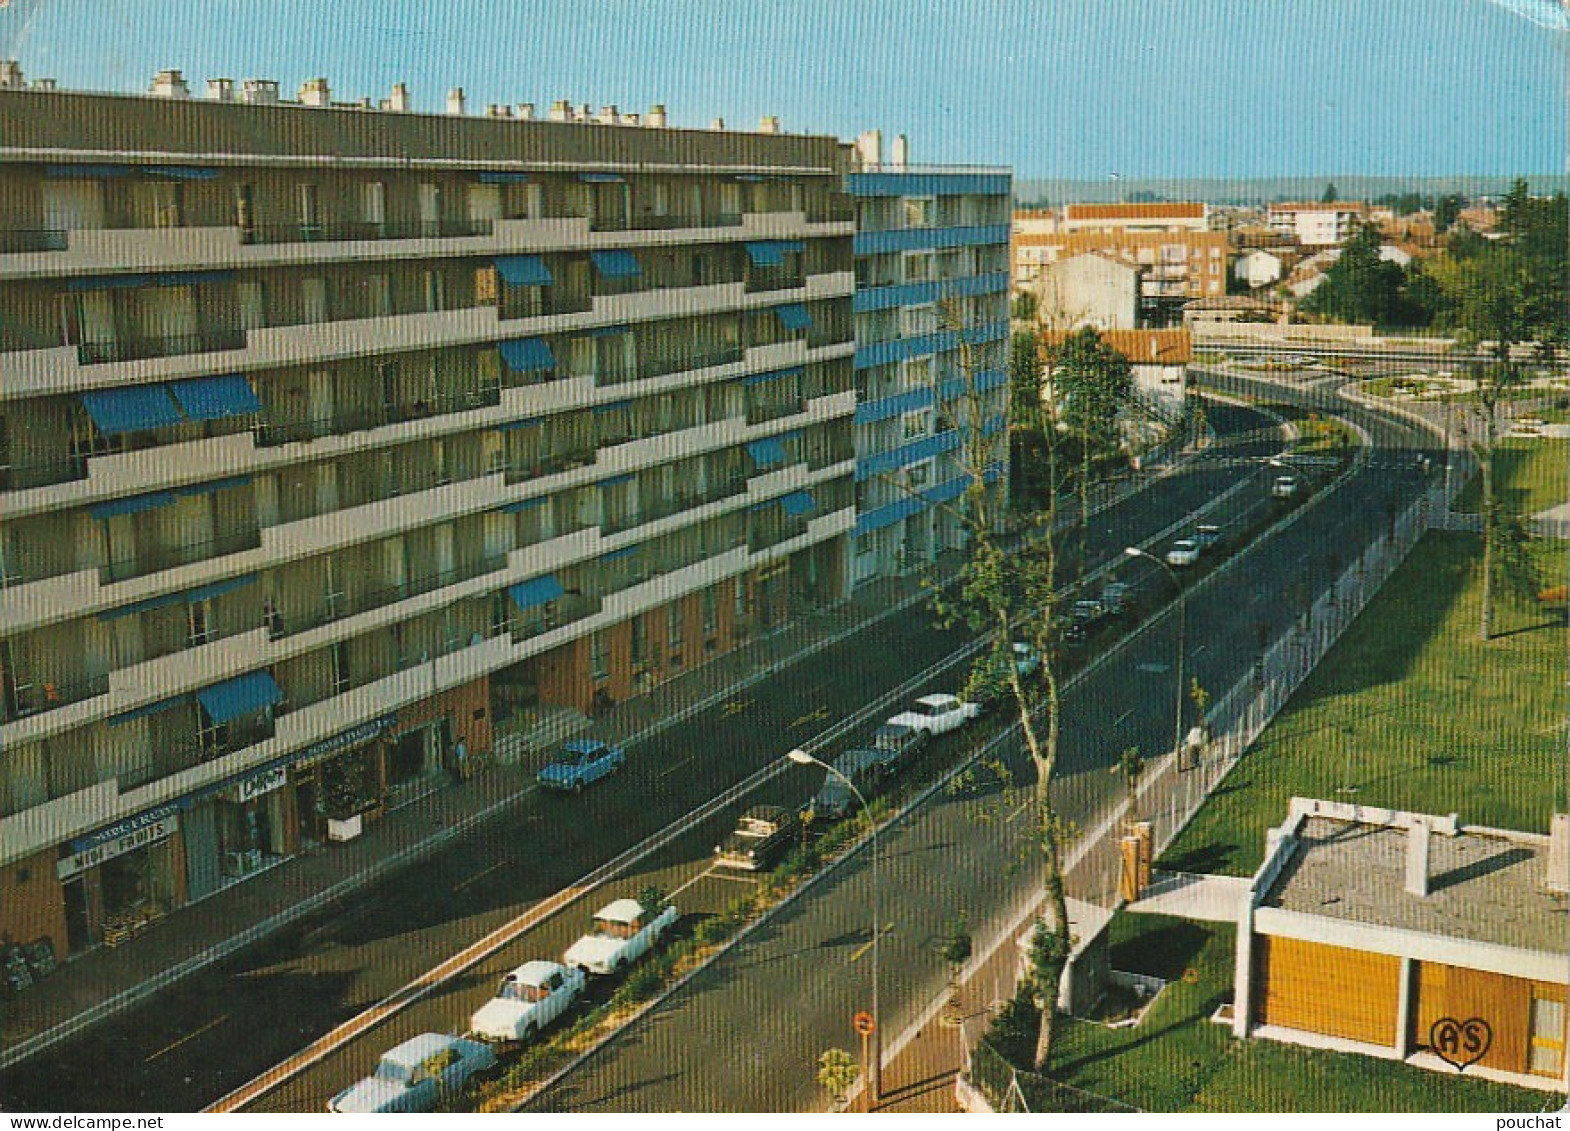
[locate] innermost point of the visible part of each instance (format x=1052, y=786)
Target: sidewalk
x=106, y=980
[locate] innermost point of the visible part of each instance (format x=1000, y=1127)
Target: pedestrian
x=460, y=761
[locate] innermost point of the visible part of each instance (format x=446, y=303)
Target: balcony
x=665, y=223
x=178, y=757
x=168, y=557
x=42, y=239
x=43, y=473
x=838, y=210
x=273, y=432
x=552, y=464
x=137, y=348
x=281, y=624
x=725, y=488
x=663, y=367
x=364, y=231
x=21, y=700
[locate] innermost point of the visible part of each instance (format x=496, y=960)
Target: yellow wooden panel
x=1329, y=990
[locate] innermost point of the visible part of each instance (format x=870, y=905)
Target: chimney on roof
x=399, y=102
x=870, y=147
x=170, y=84
x=259, y=92
x=1417, y=838
x=656, y=116
x=717, y=124
x=498, y=110
x=629, y=120
x=525, y=111
x=1559, y=853
x=900, y=151
x=11, y=75
x=769, y=125
x=561, y=110
x=456, y=103
x=609, y=115
x=220, y=90
x=315, y=92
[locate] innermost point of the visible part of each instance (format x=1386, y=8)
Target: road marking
x=815, y=716
x=1022, y=807
x=715, y=874
x=866, y=946
x=669, y=770
x=734, y=707
x=701, y=875
x=191, y=1036
x=1121, y=719
x=481, y=874
x=1152, y=667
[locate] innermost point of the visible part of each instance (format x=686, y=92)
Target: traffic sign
x=864, y=1023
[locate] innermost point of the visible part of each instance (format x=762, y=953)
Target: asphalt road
x=216, y=1030
x=746, y=1033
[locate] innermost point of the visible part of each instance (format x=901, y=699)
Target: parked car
x=865, y=767
x=1116, y=596
x=937, y=714
x=583, y=761
x=1206, y=536
x=1284, y=487
x=622, y=933
x=762, y=836
x=417, y=1075
x=1184, y=552
x=529, y=998
x=1026, y=662
x=992, y=691
x=900, y=743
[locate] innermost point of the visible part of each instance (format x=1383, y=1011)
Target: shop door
x=203, y=864
x=78, y=935
x=1547, y=1055
x=406, y=758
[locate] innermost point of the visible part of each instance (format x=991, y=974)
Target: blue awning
x=180, y=172
x=170, y=279
x=618, y=480
x=794, y=316
x=189, y=597
x=616, y=264
x=526, y=422
x=227, y=701
x=619, y=555
x=766, y=254
x=798, y=503
x=526, y=504
x=601, y=178
x=609, y=331
x=214, y=398
x=88, y=171
x=527, y=355
x=539, y=591
x=524, y=270
x=132, y=408
x=218, y=588
x=767, y=452
x=610, y=406
x=502, y=177
x=132, y=505
x=147, y=709
x=776, y=375
x=212, y=486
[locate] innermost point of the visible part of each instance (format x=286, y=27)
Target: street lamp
x=1177, y=725
x=802, y=758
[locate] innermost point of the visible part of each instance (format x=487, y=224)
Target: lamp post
x=802, y=758
x=1177, y=724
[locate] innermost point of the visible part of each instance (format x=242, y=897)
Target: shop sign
x=259, y=784
x=127, y=836
x=350, y=737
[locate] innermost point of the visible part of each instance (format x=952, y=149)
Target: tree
x=1003, y=592
x=1329, y=196
x=1131, y=764
x=1515, y=566
x=1025, y=306
x=1447, y=209
x=1360, y=287
x=837, y=1072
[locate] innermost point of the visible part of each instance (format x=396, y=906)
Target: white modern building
x=1088, y=290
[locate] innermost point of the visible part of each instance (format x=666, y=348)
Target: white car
x=623, y=932
x=530, y=998
x=1184, y=552
x=416, y=1075
x=1284, y=487
x=937, y=714
x=1026, y=662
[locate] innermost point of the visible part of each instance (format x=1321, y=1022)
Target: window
x=919, y=211
x=741, y=600
x=599, y=657
x=918, y=268
x=914, y=425
x=673, y=619
x=198, y=623
x=340, y=667
x=245, y=208
x=710, y=613
x=435, y=291
x=313, y=299
x=378, y=296
x=640, y=640
x=210, y=736
x=1547, y=1055
x=863, y=545
x=373, y=206
x=310, y=214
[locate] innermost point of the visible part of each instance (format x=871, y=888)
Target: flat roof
x=1483, y=887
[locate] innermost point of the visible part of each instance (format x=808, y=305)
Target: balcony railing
x=562, y=611
x=365, y=230
x=42, y=473
x=835, y=211
x=40, y=239
x=675, y=504
x=136, y=348
x=272, y=432
x=24, y=699
x=234, y=736
x=549, y=465
x=759, y=282
x=667, y=222
x=168, y=557
x=281, y=623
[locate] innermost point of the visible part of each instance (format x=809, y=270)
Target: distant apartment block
x=1314, y=224
x=331, y=436
x=932, y=288
x=1179, y=258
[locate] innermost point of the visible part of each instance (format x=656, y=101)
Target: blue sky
x=1055, y=88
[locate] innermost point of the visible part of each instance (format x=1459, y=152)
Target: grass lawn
x=1530, y=475
x=1412, y=711
x=1177, y=1059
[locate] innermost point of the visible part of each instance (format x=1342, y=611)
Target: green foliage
x=1091, y=383
x=1025, y=306
x=957, y=946
x=1360, y=287
x=1515, y=565
x=652, y=899
x=837, y=1071
x=1025, y=378
x=1329, y=196
x=1447, y=209
x=1013, y=1030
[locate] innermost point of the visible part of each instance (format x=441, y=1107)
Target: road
x=744, y=1035
x=213, y=1032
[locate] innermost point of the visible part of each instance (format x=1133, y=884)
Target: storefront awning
x=601, y=178
x=502, y=177
x=132, y=505
x=538, y=591
x=524, y=270
x=616, y=264
x=180, y=172
x=527, y=355
x=215, y=398
x=133, y=408
x=232, y=698
x=798, y=503
x=794, y=316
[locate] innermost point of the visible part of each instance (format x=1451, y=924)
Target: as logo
x=1460, y=1043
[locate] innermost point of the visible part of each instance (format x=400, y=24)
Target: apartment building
x=1179, y=258
x=331, y=435
x=1314, y=224
x=931, y=309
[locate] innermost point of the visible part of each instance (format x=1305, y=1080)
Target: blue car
x=583, y=760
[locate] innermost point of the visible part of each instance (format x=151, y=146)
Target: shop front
x=240, y=830
x=338, y=778
x=124, y=877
